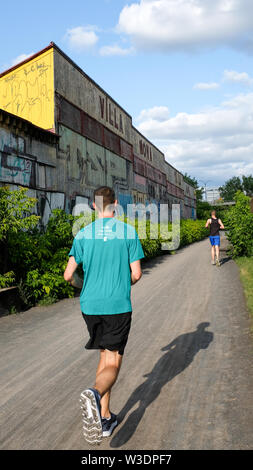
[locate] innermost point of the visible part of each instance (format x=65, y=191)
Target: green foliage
x=246, y=273
x=16, y=211
x=193, y=182
x=235, y=184
x=239, y=223
x=7, y=279
x=247, y=182
x=16, y=218
x=192, y=231
x=203, y=210
x=39, y=258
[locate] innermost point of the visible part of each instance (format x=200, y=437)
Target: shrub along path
x=186, y=380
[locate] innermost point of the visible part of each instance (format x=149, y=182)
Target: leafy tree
x=239, y=222
x=193, y=182
x=247, y=182
x=228, y=190
x=15, y=217
x=203, y=210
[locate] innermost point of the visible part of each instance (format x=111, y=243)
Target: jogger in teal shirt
x=110, y=253
x=106, y=248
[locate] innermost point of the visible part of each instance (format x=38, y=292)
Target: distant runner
x=110, y=252
x=215, y=226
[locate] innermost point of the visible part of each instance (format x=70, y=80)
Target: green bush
x=192, y=231
x=7, y=279
x=38, y=258
x=239, y=224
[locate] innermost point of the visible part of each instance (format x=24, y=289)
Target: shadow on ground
x=226, y=259
x=180, y=353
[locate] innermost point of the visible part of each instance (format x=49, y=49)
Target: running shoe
x=91, y=412
x=213, y=262
x=217, y=262
x=108, y=425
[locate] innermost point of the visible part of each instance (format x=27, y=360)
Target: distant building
x=62, y=136
x=212, y=195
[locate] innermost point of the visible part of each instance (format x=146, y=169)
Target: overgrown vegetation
x=203, y=208
x=246, y=272
x=231, y=186
x=35, y=260
x=239, y=224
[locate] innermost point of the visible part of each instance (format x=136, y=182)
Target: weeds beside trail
x=246, y=273
x=34, y=258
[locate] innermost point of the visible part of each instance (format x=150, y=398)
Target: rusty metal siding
x=139, y=166
x=70, y=115
x=92, y=129
x=112, y=141
x=126, y=150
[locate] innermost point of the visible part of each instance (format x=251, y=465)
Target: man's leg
x=105, y=400
x=107, y=373
x=217, y=249
x=213, y=252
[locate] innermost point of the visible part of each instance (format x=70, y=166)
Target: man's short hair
x=108, y=195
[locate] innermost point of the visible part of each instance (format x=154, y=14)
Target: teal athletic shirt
x=106, y=248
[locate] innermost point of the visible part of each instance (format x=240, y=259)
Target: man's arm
x=136, y=272
x=221, y=224
x=207, y=223
x=70, y=275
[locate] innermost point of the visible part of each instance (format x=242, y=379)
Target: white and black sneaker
x=91, y=413
x=108, y=425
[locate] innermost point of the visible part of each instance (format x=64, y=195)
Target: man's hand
x=221, y=224
x=76, y=281
x=70, y=274
x=135, y=271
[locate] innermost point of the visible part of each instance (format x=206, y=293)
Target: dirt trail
x=186, y=380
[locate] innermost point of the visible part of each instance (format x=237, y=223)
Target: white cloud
x=237, y=77
x=15, y=61
x=188, y=24
x=206, y=86
x=82, y=37
x=20, y=58
x=214, y=144
x=159, y=113
x=115, y=50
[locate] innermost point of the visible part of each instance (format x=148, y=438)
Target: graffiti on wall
x=90, y=164
x=11, y=142
x=15, y=169
x=28, y=91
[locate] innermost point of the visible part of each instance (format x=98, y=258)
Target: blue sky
x=182, y=68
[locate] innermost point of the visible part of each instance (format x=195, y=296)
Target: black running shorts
x=108, y=331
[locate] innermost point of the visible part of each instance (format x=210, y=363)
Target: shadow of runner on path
x=225, y=260
x=180, y=353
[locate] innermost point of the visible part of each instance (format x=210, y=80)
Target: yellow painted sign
x=28, y=90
